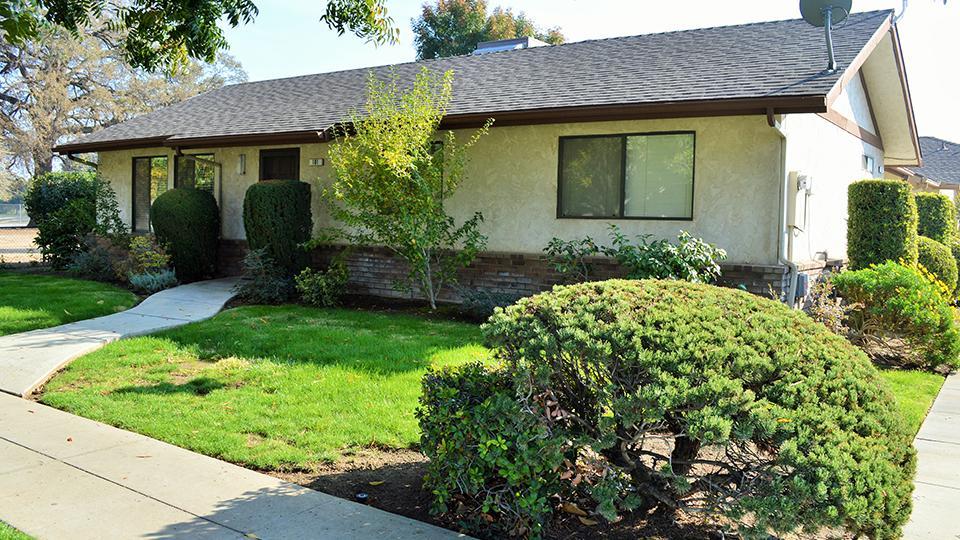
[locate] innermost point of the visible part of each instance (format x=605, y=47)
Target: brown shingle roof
x=781, y=62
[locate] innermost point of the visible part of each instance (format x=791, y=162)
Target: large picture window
x=195, y=172
x=149, y=181
x=642, y=176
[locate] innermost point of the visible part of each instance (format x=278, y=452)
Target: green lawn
x=271, y=387
x=9, y=533
x=914, y=392
x=29, y=301
x=286, y=387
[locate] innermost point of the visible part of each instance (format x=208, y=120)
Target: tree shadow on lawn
x=376, y=343
x=199, y=386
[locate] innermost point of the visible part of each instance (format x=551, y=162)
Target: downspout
x=784, y=244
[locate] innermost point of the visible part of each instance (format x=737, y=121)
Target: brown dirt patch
x=393, y=480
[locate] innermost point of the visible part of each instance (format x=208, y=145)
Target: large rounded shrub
x=937, y=217
x=903, y=311
x=703, y=398
x=882, y=223
x=277, y=218
x=938, y=259
x=187, y=222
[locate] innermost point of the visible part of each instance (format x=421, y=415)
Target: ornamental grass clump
x=695, y=398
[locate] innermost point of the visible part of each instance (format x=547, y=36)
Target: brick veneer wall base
x=374, y=271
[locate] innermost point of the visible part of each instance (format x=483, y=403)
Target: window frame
x=623, y=175
x=203, y=155
x=133, y=191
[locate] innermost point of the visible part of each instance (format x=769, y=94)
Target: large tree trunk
x=42, y=162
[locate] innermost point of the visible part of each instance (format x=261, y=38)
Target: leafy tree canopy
x=164, y=34
x=454, y=27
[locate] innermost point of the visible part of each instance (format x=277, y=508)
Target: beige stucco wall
x=833, y=159
x=512, y=180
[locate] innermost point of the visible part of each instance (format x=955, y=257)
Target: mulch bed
x=393, y=481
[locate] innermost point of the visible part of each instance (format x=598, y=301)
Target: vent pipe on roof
x=500, y=45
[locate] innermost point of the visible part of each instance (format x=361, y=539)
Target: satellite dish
x=815, y=11
x=824, y=14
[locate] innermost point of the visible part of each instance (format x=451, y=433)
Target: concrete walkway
x=28, y=359
x=936, y=496
x=66, y=477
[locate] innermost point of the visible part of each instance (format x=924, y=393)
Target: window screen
x=149, y=181
x=194, y=173
x=627, y=176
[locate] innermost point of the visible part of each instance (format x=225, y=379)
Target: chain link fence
x=16, y=236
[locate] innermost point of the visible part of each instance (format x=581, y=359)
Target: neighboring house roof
x=941, y=161
x=762, y=68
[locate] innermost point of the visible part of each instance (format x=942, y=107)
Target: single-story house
x=940, y=172
x=736, y=134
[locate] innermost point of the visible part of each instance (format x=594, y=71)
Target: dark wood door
x=281, y=164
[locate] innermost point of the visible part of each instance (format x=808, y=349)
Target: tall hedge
x=882, y=223
x=938, y=259
x=937, y=217
x=187, y=222
x=276, y=216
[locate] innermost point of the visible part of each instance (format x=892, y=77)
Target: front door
x=282, y=164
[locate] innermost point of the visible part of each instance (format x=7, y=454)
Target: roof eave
x=597, y=113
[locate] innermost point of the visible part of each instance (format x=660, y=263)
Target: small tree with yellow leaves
x=393, y=171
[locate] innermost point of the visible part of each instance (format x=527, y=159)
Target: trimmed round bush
x=938, y=259
x=893, y=304
x=937, y=217
x=277, y=218
x=187, y=222
x=708, y=399
x=882, y=223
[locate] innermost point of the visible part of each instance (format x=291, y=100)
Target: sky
x=288, y=39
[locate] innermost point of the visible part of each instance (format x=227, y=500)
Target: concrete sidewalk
x=28, y=359
x=936, y=496
x=62, y=476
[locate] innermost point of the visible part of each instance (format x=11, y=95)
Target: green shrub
x=479, y=303
x=263, y=281
x=187, y=222
x=493, y=465
x=153, y=281
x=955, y=250
x=937, y=218
x=882, y=224
x=144, y=256
x=66, y=207
x=276, y=216
x=712, y=400
x=96, y=260
x=899, y=312
x=938, y=259
x=690, y=259
x=323, y=288
x=569, y=258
